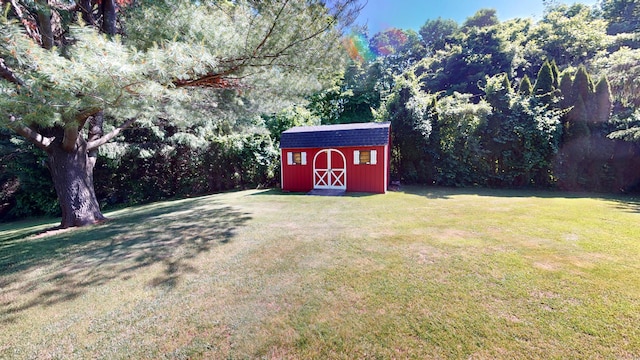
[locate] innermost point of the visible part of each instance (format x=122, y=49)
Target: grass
x=423, y=273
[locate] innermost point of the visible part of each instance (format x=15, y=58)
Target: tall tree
x=436, y=33
x=477, y=52
x=525, y=88
x=544, y=88
x=570, y=34
x=566, y=89
x=603, y=102
x=182, y=62
x=582, y=85
x=412, y=115
x=623, y=15
x=482, y=18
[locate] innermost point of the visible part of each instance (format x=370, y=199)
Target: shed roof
x=358, y=134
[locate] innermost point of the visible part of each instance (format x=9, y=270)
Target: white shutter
x=303, y=157
x=374, y=158
x=356, y=157
x=289, y=158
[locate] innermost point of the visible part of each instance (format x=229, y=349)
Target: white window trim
x=373, y=157
x=303, y=157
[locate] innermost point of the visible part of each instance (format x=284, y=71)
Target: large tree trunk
x=72, y=174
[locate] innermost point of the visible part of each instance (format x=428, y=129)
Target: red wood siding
x=366, y=177
x=359, y=177
x=297, y=177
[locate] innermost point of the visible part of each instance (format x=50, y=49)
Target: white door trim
x=330, y=178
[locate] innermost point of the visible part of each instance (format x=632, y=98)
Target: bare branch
x=72, y=128
x=71, y=133
x=30, y=134
x=73, y=6
x=94, y=144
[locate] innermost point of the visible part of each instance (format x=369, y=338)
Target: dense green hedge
x=227, y=162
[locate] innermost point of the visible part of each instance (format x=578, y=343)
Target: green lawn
x=423, y=273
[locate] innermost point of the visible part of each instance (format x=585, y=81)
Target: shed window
x=297, y=158
x=365, y=157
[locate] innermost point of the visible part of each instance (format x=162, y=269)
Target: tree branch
x=31, y=31
x=8, y=75
x=92, y=145
x=331, y=23
x=44, y=23
x=72, y=128
x=87, y=12
x=30, y=134
x=268, y=34
x=71, y=133
x=257, y=57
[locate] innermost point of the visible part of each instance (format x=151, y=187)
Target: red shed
x=350, y=157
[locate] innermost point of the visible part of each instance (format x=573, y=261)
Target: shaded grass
x=425, y=273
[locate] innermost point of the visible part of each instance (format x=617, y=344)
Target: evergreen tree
x=544, y=88
x=566, y=90
x=555, y=73
x=482, y=18
x=525, y=89
x=603, y=100
x=582, y=85
x=185, y=63
x=498, y=92
x=577, y=125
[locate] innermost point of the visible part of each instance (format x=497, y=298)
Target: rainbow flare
x=357, y=47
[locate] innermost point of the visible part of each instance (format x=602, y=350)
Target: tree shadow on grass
x=45, y=270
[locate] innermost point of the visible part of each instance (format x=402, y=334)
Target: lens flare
x=357, y=47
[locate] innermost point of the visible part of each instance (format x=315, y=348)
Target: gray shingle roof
x=358, y=134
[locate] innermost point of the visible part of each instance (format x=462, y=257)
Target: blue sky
x=412, y=14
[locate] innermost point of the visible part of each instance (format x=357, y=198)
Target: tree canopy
x=71, y=86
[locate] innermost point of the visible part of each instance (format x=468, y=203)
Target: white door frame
x=330, y=178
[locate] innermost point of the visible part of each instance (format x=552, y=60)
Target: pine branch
x=30, y=25
x=30, y=134
x=216, y=80
x=256, y=57
x=270, y=32
x=94, y=144
x=8, y=75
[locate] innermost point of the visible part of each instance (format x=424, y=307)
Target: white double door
x=330, y=170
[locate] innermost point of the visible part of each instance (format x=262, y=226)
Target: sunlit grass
x=424, y=273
